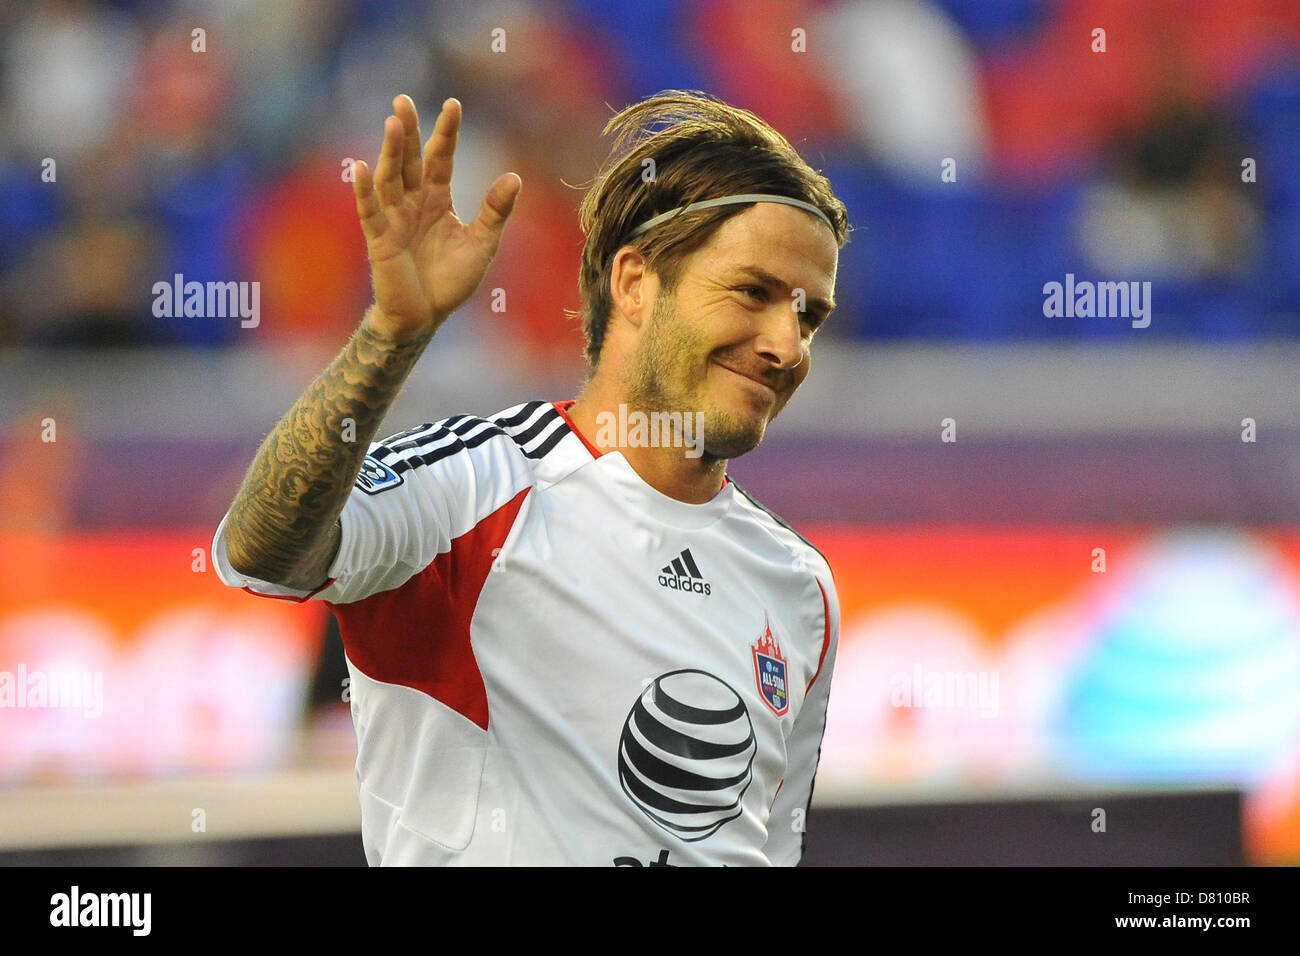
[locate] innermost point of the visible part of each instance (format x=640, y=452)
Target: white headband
x=727, y=201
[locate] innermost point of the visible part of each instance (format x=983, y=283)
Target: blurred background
x=1089, y=599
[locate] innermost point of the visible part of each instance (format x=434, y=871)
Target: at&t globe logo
x=686, y=754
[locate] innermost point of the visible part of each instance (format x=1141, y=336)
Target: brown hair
x=702, y=148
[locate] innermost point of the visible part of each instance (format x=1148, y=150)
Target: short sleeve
x=415, y=492
x=788, y=819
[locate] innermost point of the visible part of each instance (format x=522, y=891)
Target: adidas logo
x=682, y=574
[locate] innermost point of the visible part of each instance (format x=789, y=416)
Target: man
x=572, y=640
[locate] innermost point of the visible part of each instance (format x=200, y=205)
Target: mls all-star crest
x=770, y=671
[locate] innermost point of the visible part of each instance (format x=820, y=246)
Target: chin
x=736, y=418
x=730, y=435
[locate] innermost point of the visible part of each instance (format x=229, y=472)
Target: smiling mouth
x=751, y=379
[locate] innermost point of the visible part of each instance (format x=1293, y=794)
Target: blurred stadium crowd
x=227, y=164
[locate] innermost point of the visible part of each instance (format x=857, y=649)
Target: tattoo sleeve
x=283, y=525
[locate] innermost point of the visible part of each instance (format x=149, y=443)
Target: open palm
x=424, y=261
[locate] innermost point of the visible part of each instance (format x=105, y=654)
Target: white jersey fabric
x=553, y=663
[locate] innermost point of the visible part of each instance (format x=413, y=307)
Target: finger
x=373, y=220
x=412, y=167
x=388, y=175
x=497, y=206
x=441, y=148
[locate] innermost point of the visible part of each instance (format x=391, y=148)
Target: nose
x=780, y=339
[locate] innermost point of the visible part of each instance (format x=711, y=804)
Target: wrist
x=380, y=326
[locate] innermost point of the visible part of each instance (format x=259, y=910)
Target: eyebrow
x=766, y=278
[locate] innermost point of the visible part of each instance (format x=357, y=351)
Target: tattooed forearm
x=283, y=525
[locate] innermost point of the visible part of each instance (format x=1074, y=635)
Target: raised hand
x=424, y=261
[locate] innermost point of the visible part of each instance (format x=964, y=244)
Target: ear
x=629, y=286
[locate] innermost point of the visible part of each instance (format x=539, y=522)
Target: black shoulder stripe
x=536, y=428
x=434, y=441
x=411, y=438
x=521, y=416
x=551, y=441
x=427, y=435
x=469, y=424
x=776, y=517
x=447, y=450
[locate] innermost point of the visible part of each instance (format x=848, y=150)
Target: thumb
x=497, y=206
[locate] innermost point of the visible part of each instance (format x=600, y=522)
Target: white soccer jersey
x=553, y=663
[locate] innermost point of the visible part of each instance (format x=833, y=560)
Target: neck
x=679, y=470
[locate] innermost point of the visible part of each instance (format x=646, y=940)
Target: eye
x=812, y=321
x=757, y=291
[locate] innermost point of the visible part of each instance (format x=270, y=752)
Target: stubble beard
x=661, y=368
